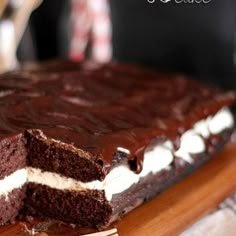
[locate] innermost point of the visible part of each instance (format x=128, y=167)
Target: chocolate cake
x=86, y=144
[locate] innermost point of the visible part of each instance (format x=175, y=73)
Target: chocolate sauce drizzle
x=100, y=108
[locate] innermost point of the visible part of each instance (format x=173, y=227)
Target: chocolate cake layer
x=11, y=205
x=61, y=158
x=89, y=134
x=85, y=208
x=13, y=155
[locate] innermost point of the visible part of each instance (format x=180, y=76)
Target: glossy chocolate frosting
x=97, y=109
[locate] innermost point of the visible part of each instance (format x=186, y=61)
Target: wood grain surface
x=169, y=213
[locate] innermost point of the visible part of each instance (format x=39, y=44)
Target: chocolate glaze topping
x=96, y=109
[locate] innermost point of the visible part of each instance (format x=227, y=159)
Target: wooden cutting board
x=175, y=209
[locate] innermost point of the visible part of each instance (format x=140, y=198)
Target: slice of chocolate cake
x=86, y=144
x=13, y=177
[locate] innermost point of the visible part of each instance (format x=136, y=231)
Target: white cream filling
x=12, y=181
x=221, y=121
x=192, y=141
x=157, y=159
x=121, y=178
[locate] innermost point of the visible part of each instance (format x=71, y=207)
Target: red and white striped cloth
x=91, y=26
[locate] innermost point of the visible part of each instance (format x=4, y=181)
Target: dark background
x=197, y=39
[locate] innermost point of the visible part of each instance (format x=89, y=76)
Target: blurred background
x=196, y=39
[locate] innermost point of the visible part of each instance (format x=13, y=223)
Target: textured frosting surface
x=102, y=110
